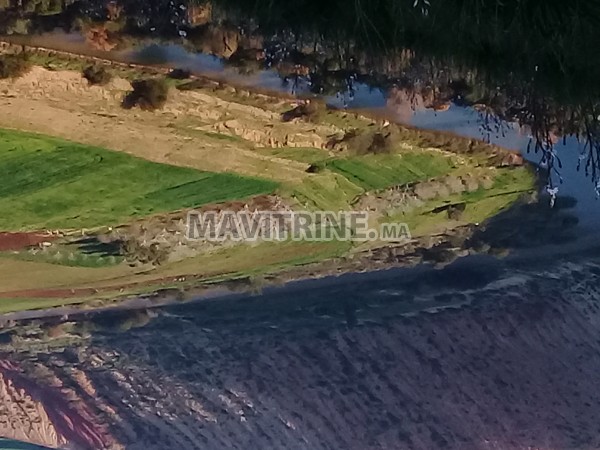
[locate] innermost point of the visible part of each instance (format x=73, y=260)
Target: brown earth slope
x=185, y=133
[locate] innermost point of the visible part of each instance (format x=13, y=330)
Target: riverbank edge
x=222, y=285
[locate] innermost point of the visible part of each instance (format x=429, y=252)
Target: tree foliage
x=97, y=75
x=14, y=66
x=149, y=94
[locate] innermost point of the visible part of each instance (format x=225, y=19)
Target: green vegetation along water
x=105, y=224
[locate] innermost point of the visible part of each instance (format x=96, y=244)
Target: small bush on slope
x=97, y=75
x=149, y=94
x=14, y=66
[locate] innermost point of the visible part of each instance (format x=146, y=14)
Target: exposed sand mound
x=188, y=132
x=18, y=241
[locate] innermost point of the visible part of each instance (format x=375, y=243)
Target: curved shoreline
x=529, y=260
x=433, y=137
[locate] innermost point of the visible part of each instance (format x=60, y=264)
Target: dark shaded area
x=93, y=246
x=179, y=74
x=530, y=225
x=98, y=75
x=14, y=66
x=347, y=365
x=149, y=94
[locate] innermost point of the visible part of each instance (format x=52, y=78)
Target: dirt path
x=18, y=241
x=74, y=293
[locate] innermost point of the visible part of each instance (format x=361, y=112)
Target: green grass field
x=51, y=183
x=342, y=180
x=325, y=191
x=382, y=171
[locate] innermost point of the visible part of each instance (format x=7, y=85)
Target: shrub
x=179, y=74
x=14, y=66
x=136, y=253
x=198, y=83
x=149, y=94
x=97, y=75
x=315, y=167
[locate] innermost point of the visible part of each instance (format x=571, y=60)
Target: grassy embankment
x=342, y=180
x=50, y=183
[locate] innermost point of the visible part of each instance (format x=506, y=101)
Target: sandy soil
x=58, y=421
x=62, y=104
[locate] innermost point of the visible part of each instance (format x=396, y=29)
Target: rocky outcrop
x=167, y=236
x=22, y=418
x=405, y=198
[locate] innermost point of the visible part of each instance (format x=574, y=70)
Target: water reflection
x=569, y=178
x=173, y=55
x=298, y=364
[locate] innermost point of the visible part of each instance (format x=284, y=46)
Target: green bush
x=97, y=75
x=14, y=66
x=149, y=94
x=316, y=167
x=179, y=74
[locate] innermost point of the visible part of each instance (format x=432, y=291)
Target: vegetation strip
x=128, y=212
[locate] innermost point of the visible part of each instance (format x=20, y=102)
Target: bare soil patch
x=185, y=133
x=19, y=241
